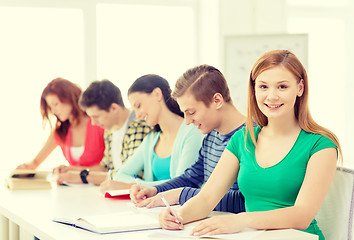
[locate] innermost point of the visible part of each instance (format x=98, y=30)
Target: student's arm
x=124, y=177
x=199, y=207
x=171, y=196
x=65, y=168
x=233, y=201
x=184, y=154
x=192, y=177
x=189, y=151
x=134, y=164
x=48, y=147
x=318, y=178
x=94, y=177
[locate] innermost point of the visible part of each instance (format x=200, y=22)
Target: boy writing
x=204, y=97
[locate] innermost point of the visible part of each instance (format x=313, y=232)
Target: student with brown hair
x=284, y=166
x=204, y=97
x=81, y=142
x=166, y=151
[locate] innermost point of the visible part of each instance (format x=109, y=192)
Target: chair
x=335, y=217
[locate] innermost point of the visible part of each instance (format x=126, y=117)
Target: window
x=36, y=45
x=134, y=40
x=44, y=40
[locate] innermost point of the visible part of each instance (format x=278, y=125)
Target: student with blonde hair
x=284, y=167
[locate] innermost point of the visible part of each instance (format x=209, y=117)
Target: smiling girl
x=284, y=167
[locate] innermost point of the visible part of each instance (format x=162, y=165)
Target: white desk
x=32, y=210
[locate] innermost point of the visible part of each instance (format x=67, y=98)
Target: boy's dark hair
x=101, y=94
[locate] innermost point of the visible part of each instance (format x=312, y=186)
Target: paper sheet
x=247, y=234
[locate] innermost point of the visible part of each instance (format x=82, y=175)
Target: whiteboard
x=240, y=53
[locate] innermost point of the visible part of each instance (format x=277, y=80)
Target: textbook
x=113, y=222
x=20, y=179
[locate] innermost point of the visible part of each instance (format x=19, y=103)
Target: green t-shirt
x=276, y=186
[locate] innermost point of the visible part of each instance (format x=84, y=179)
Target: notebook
x=118, y=194
x=113, y=222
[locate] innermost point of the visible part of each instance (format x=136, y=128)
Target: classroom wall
x=220, y=18
x=214, y=19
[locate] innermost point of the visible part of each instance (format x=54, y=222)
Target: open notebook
x=113, y=222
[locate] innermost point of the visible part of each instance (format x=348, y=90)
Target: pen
x=169, y=208
x=109, y=174
x=136, y=181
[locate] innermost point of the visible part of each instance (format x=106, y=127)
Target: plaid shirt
x=136, y=131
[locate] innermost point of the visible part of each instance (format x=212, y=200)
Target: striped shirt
x=194, y=177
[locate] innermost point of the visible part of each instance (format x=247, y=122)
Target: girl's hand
x=171, y=196
x=29, y=165
x=69, y=177
x=61, y=169
x=170, y=222
x=137, y=195
x=218, y=225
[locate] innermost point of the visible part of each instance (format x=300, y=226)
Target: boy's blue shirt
x=194, y=177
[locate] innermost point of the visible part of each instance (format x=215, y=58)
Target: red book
x=118, y=194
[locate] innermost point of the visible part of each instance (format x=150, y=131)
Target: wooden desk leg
x=14, y=231
x=4, y=227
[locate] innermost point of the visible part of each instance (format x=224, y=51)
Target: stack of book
x=28, y=179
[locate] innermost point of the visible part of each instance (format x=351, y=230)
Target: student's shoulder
x=139, y=124
x=315, y=139
x=240, y=134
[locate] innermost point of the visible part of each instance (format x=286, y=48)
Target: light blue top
x=184, y=153
x=161, y=167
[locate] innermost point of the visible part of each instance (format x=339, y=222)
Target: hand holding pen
x=136, y=181
x=134, y=190
x=167, y=222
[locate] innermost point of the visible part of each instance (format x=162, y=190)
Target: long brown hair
x=67, y=92
x=289, y=61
